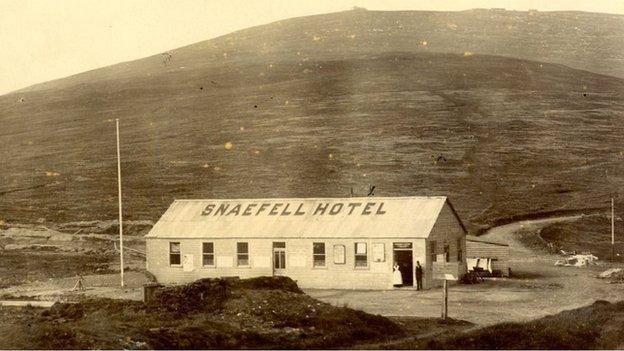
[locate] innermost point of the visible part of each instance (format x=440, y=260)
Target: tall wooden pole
x=120, y=208
x=445, y=289
x=445, y=303
x=612, y=229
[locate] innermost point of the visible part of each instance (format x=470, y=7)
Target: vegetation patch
x=598, y=326
x=209, y=313
x=19, y=266
x=586, y=234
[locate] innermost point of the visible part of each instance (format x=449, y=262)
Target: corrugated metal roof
x=483, y=240
x=374, y=217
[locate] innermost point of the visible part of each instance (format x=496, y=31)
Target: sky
x=43, y=40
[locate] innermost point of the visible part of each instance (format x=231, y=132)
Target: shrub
x=204, y=295
x=270, y=283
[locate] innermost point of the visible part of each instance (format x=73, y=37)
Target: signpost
x=440, y=273
x=445, y=300
x=447, y=277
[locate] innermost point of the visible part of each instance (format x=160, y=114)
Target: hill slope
x=596, y=326
x=589, y=41
x=514, y=136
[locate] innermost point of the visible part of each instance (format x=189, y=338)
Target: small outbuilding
x=344, y=243
x=491, y=256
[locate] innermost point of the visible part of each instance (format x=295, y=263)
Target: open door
x=403, y=258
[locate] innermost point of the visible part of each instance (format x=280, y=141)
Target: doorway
x=403, y=258
x=279, y=258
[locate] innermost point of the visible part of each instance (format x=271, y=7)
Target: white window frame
x=355, y=255
x=179, y=253
x=324, y=255
x=343, y=252
x=238, y=254
x=433, y=255
x=204, y=254
x=381, y=249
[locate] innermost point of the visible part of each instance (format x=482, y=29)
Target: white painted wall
x=299, y=258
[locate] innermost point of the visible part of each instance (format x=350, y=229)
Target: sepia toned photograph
x=273, y=174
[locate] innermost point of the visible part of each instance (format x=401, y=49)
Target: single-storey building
x=490, y=255
x=347, y=243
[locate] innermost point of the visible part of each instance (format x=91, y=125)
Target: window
x=447, y=253
x=460, y=253
x=339, y=254
x=432, y=252
x=361, y=258
x=242, y=254
x=279, y=255
x=379, y=252
x=318, y=253
x=174, y=254
x=279, y=259
x=208, y=254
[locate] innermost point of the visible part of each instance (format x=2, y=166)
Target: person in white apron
x=397, y=278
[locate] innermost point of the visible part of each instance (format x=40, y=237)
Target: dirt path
x=540, y=288
x=96, y=285
x=507, y=233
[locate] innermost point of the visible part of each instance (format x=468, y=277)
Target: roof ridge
x=315, y=198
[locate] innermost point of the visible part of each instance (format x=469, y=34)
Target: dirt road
x=508, y=233
x=539, y=289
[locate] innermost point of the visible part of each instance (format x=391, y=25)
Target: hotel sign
x=294, y=209
x=406, y=245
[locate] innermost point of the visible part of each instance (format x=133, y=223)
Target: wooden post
x=120, y=208
x=612, y=229
x=445, y=301
x=445, y=289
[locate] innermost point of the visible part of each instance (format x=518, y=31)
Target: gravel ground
x=539, y=289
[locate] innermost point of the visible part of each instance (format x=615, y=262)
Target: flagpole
x=120, y=208
x=612, y=229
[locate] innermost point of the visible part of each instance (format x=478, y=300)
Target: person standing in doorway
x=397, y=278
x=419, y=276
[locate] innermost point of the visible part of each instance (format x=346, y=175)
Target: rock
x=132, y=227
x=82, y=179
x=610, y=272
x=580, y=260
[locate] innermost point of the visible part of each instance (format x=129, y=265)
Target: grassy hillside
x=501, y=136
x=587, y=234
x=598, y=326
